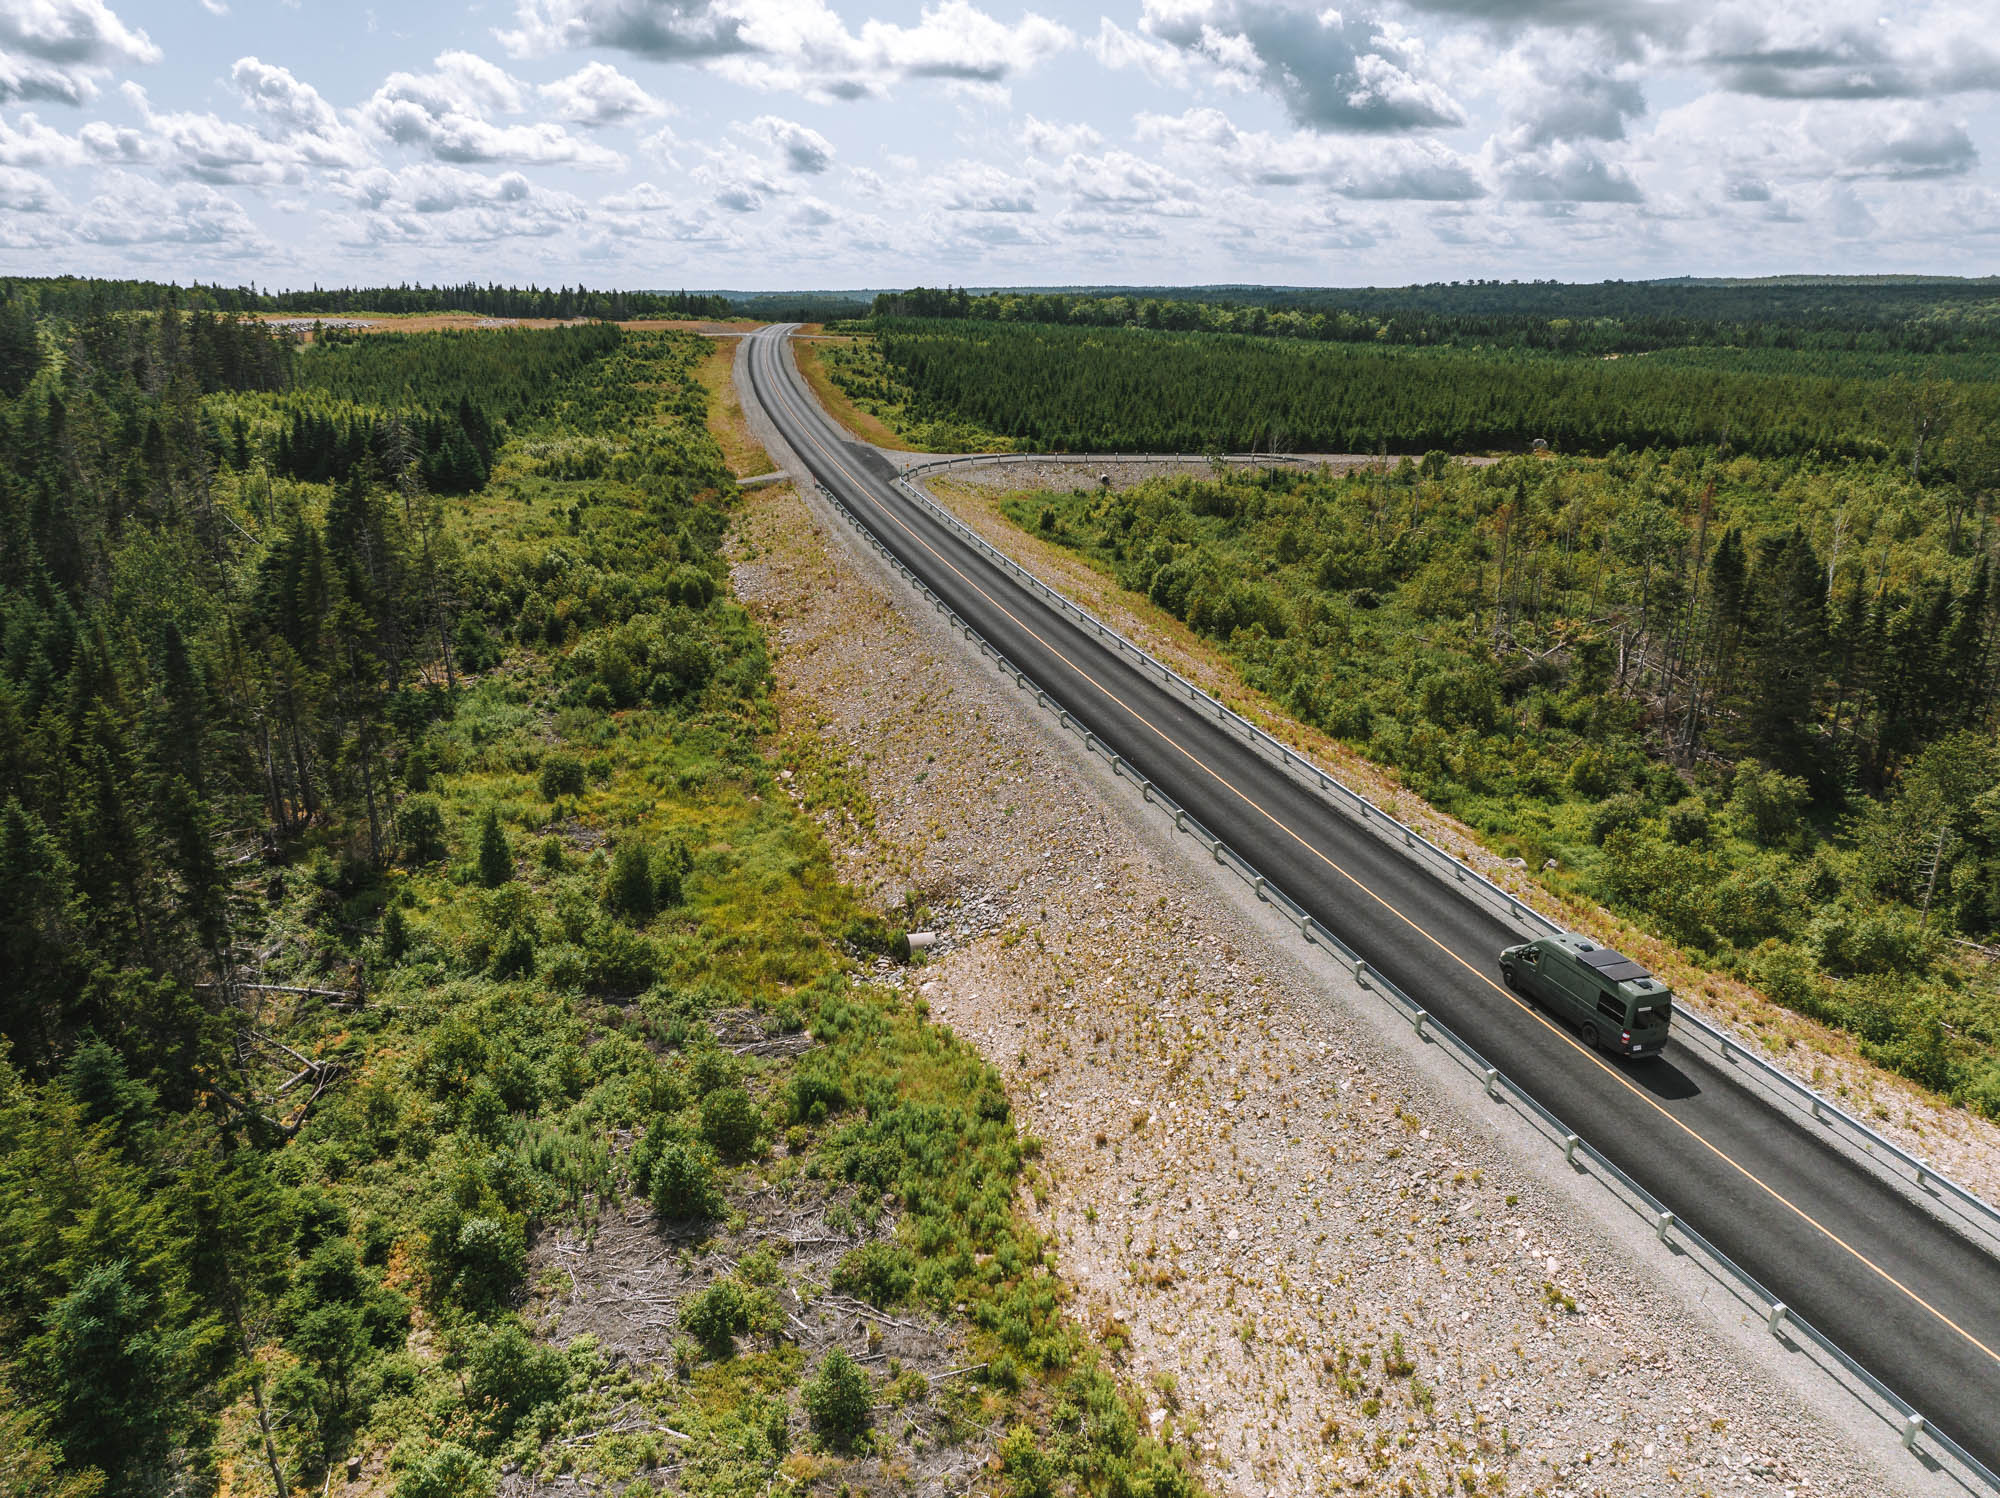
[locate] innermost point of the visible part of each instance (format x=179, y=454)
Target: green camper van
x=1614, y=1003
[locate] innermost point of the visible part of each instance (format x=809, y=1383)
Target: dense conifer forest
x=1085, y=388
x=389, y=830
x=1906, y=314
x=76, y=296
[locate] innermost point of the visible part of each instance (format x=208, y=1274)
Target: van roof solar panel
x=1615, y=966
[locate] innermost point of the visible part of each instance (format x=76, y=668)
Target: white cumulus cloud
x=57, y=50
x=445, y=113
x=598, y=94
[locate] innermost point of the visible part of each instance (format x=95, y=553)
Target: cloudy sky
x=798, y=143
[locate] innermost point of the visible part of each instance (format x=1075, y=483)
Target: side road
x=1311, y=1194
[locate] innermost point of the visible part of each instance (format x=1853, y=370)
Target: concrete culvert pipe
x=922, y=941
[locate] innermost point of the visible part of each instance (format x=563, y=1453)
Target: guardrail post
x=1306, y=932
x=1146, y=791
x=1418, y=1023
x=1216, y=849
x=1725, y=1049
x=1776, y=1320
x=1408, y=841
x=1818, y=1117
x=1570, y=1142
x=1913, y=1426
x=1662, y=1225
x=1922, y=1183
x=1263, y=891
x=1493, y=1081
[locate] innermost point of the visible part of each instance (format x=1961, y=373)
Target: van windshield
x=1616, y=967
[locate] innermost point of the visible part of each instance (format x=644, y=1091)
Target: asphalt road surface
x=1912, y=1300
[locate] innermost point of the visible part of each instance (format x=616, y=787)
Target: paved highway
x=1908, y=1297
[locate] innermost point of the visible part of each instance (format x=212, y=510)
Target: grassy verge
x=814, y=358
x=855, y=385
x=743, y=453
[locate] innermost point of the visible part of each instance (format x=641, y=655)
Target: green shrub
x=420, y=830
x=838, y=1400
x=870, y=935
x=561, y=775
x=681, y=1182
x=1847, y=942
x=476, y=648
x=1616, y=813
x=496, y=859
x=448, y=1472
x=815, y=1094
x=729, y=1122
x=630, y=890
x=619, y=959
x=514, y=956
x=488, y=1257
x=716, y=1316
x=1687, y=822
x=879, y=1273
x=509, y=1376
x=1765, y=805
x=1029, y=1472
x=711, y=1067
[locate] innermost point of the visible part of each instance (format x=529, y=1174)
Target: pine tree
x=496, y=859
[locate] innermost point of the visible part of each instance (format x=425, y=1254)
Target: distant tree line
x=1882, y=315
x=75, y=296
x=1081, y=388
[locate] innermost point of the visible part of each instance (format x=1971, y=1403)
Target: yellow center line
x=1548, y=1024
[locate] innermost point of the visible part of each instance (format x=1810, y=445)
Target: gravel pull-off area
x=1328, y=1275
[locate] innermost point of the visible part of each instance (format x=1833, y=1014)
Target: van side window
x=1612, y=1010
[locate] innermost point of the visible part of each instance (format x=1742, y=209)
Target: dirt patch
x=1325, y=1273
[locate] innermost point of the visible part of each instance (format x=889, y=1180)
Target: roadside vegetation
x=1735, y=678
x=397, y=890
x=1746, y=703
x=857, y=384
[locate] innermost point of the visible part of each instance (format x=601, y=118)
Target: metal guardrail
x=1733, y=1048
x=1911, y=1426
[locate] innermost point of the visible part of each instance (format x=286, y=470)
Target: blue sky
x=804, y=143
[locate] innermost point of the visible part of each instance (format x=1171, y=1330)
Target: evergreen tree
x=496, y=859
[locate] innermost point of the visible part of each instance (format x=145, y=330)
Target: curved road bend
x=1909, y=1298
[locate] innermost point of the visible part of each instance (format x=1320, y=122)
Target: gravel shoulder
x=1330, y=1263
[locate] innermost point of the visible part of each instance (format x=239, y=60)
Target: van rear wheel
x=1589, y=1034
